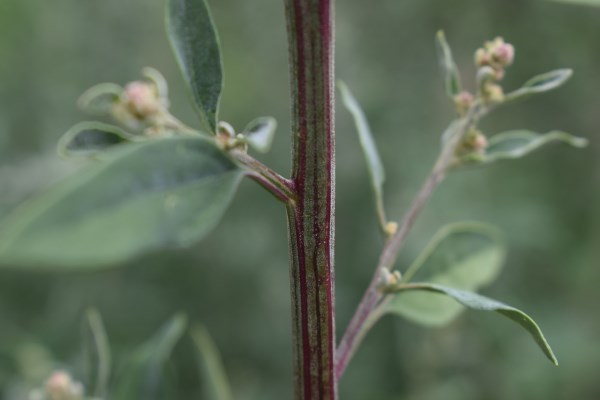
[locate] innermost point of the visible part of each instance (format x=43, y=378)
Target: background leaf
x=466, y=255
x=540, y=84
x=260, y=132
x=148, y=196
x=145, y=375
x=215, y=383
x=374, y=164
x=196, y=46
x=519, y=143
x=449, y=69
x=97, y=355
x=478, y=302
x=90, y=138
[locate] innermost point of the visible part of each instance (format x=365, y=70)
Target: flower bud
x=482, y=57
x=60, y=386
x=503, y=54
x=480, y=143
x=142, y=99
x=463, y=102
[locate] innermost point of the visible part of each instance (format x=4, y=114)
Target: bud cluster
x=492, y=59
x=59, y=386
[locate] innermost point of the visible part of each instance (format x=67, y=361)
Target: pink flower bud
x=142, y=99
x=504, y=54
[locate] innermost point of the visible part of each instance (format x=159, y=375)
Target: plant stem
x=311, y=216
x=368, y=310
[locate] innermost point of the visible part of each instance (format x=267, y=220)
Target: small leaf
x=144, y=375
x=159, y=81
x=215, y=383
x=467, y=255
x=540, y=84
x=478, y=302
x=90, y=138
x=195, y=42
x=260, y=133
x=97, y=355
x=99, y=99
x=374, y=164
x=519, y=143
x=146, y=197
x=449, y=69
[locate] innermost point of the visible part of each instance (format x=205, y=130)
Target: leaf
x=466, y=255
x=215, y=383
x=374, y=164
x=196, y=46
x=579, y=2
x=145, y=197
x=144, y=375
x=97, y=354
x=478, y=302
x=260, y=133
x=90, y=138
x=449, y=69
x=519, y=143
x=158, y=80
x=99, y=99
x=540, y=84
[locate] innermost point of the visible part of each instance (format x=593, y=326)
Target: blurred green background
x=236, y=282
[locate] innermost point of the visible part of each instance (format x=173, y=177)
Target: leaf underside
x=477, y=302
x=149, y=196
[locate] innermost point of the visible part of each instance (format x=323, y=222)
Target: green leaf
x=195, y=42
x=144, y=376
x=519, y=143
x=466, y=255
x=99, y=99
x=145, y=197
x=449, y=69
x=478, y=302
x=374, y=164
x=215, y=383
x=540, y=84
x=91, y=138
x=579, y=2
x=97, y=355
x=159, y=81
x=260, y=133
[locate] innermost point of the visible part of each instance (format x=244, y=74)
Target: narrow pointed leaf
x=214, y=379
x=99, y=99
x=145, y=375
x=260, y=133
x=153, y=75
x=519, y=143
x=90, y=138
x=540, y=84
x=374, y=164
x=466, y=255
x=97, y=355
x=144, y=197
x=477, y=302
x=195, y=42
x=448, y=66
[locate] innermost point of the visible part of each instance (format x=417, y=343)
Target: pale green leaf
x=99, y=99
x=540, y=84
x=466, y=255
x=142, y=198
x=519, y=143
x=374, y=164
x=145, y=375
x=196, y=46
x=97, y=355
x=153, y=75
x=215, y=384
x=260, y=133
x=477, y=302
x=448, y=66
x=90, y=138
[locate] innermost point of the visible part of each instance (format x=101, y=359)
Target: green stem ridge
x=311, y=216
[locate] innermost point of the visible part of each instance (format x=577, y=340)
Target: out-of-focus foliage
x=236, y=282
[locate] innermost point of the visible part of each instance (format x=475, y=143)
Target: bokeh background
x=236, y=282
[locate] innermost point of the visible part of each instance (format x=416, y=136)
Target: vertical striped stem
x=310, y=216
